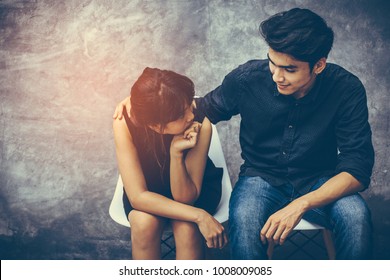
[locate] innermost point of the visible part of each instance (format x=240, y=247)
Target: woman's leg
x=146, y=231
x=252, y=201
x=190, y=244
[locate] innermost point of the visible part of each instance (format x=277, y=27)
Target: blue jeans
x=253, y=200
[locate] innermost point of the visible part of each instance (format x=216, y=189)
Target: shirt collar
x=314, y=91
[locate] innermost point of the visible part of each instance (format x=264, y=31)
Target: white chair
x=304, y=225
x=116, y=209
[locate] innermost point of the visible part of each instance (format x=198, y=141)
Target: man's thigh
x=255, y=199
x=347, y=210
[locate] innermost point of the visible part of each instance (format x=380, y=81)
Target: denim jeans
x=253, y=200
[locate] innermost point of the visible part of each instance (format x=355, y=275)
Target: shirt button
x=290, y=126
x=284, y=153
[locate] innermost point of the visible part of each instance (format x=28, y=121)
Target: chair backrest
x=116, y=209
x=218, y=158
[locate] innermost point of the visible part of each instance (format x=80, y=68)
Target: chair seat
x=305, y=225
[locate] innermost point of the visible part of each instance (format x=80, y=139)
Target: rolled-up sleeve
x=356, y=153
x=223, y=102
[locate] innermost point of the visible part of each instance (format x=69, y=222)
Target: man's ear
x=319, y=66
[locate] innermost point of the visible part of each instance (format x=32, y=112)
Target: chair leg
x=327, y=235
x=170, y=247
x=270, y=250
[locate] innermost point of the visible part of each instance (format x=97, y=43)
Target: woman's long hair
x=157, y=98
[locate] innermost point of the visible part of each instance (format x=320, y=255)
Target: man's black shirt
x=297, y=141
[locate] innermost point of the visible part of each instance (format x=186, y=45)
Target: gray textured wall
x=65, y=65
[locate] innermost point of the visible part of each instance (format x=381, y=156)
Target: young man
x=305, y=140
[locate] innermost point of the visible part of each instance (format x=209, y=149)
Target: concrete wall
x=65, y=64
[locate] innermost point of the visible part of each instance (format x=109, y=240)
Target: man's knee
x=351, y=211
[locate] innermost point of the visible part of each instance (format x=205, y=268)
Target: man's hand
x=281, y=223
x=124, y=104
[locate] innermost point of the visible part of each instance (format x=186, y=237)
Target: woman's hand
x=212, y=231
x=185, y=141
x=124, y=104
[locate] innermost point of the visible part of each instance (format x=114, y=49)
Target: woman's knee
x=189, y=241
x=145, y=227
x=185, y=230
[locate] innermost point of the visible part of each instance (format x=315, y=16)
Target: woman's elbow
x=136, y=201
x=188, y=198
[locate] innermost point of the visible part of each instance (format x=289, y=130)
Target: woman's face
x=180, y=125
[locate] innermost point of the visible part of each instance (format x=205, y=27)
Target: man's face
x=292, y=77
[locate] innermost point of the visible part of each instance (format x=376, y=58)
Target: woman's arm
x=144, y=200
x=186, y=173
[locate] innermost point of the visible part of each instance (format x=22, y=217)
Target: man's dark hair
x=300, y=33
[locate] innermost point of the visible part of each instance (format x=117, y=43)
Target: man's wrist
x=304, y=204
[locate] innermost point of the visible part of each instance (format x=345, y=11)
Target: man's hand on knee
x=280, y=224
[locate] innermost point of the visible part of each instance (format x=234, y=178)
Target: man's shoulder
x=336, y=73
x=341, y=83
x=254, y=68
x=253, y=65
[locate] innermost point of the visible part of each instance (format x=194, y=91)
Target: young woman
x=162, y=150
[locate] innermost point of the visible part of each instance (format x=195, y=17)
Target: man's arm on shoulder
x=123, y=105
x=221, y=103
